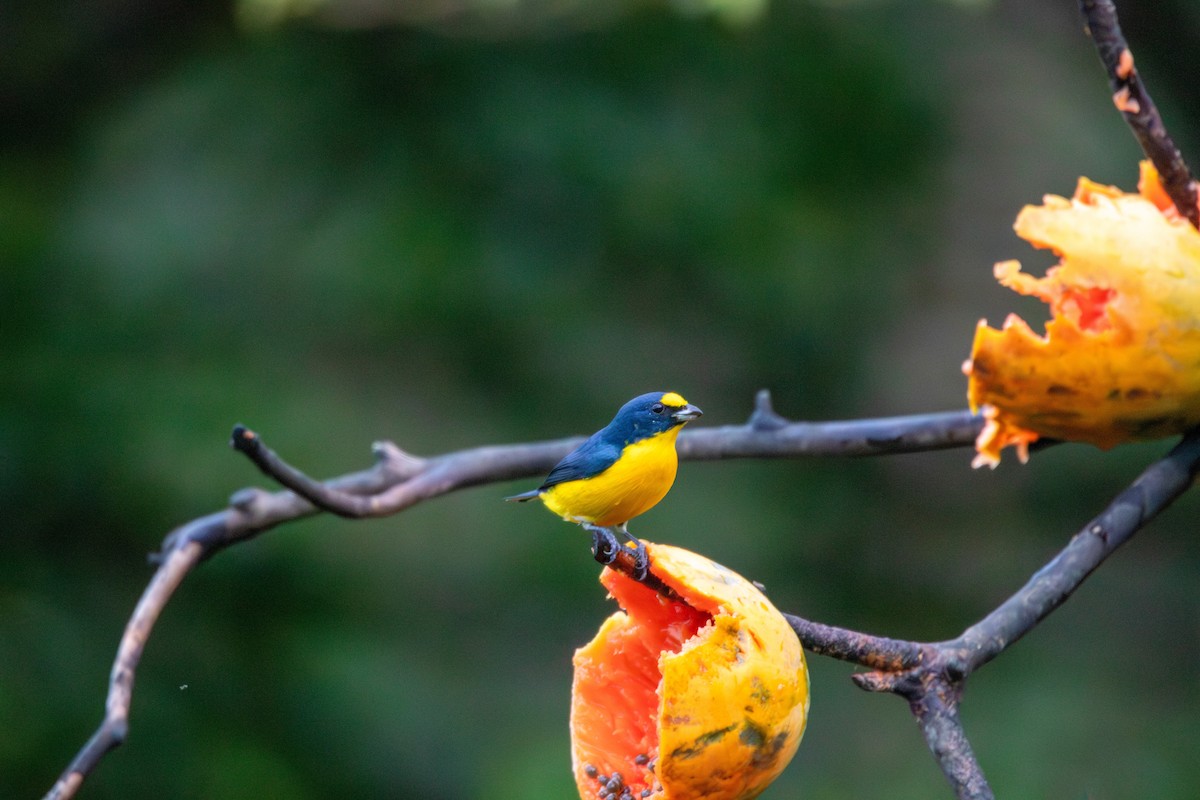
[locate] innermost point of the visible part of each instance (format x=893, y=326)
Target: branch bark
x=115, y=725
x=1134, y=103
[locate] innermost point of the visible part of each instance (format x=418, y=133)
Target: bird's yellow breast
x=631, y=486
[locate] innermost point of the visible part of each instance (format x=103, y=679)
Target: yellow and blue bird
x=621, y=471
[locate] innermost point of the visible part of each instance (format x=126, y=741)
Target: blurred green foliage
x=451, y=237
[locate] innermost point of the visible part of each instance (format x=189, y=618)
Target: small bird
x=621, y=471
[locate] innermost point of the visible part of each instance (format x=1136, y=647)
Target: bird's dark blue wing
x=588, y=460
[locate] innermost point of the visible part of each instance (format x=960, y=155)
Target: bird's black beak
x=687, y=413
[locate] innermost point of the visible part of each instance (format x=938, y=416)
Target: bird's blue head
x=650, y=414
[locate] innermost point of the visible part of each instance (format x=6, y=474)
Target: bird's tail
x=524, y=497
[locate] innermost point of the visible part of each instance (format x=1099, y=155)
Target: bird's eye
x=657, y=408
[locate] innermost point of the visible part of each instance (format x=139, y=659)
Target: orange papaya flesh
x=707, y=697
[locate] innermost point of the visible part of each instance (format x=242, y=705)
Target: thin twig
x=1134, y=103
x=115, y=725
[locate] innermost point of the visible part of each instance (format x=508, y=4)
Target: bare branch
x=936, y=710
x=113, y=729
x=931, y=676
x=875, y=652
x=765, y=435
x=1154, y=490
x=768, y=435
x=1134, y=103
x=399, y=480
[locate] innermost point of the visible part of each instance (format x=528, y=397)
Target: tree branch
x=931, y=676
x=1134, y=103
x=936, y=708
x=115, y=725
x=876, y=652
x=399, y=480
x=1155, y=489
x=764, y=435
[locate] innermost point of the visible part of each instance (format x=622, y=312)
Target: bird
x=621, y=471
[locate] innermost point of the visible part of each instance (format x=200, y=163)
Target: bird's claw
x=604, y=546
x=641, y=561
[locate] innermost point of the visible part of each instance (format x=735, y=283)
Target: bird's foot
x=608, y=548
x=641, y=557
x=605, y=546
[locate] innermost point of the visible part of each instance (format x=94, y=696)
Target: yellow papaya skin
x=1120, y=357
x=707, y=697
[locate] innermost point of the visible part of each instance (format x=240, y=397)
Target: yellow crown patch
x=673, y=400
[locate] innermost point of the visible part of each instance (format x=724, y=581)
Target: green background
x=464, y=223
